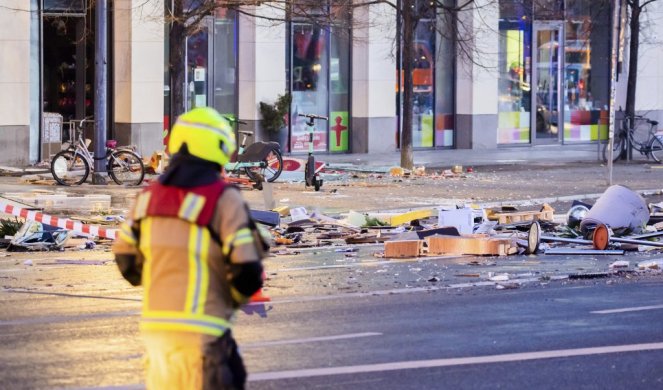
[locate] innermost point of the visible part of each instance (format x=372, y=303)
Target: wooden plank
x=470, y=245
x=524, y=216
x=406, y=248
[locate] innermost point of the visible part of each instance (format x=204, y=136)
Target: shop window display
x=319, y=74
x=444, y=80
x=433, y=76
x=514, y=61
x=587, y=70
x=310, y=69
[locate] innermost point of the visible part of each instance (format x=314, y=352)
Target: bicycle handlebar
x=314, y=116
x=233, y=120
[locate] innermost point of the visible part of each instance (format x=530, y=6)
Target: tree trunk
x=177, y=46
x=407, y=55
x=634, y=44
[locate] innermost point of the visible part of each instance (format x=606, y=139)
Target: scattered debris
x=620, y=264
x=624, y=210
x=589, y=275
x=650, y=265
x=499, y=278
x=38, y=236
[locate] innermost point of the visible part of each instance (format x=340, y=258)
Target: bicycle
x=261, y=161
x=72, y=165
x=638, y=133
x=311, y=174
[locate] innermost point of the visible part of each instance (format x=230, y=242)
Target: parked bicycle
x=640, y=134
x=261, y=161
x=73, y=165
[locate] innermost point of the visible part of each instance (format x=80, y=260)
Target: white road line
x=406, y=365
x=627, y=309
x=308, y=340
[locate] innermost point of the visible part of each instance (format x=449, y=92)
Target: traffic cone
x=259, y=296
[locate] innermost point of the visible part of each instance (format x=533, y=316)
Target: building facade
x=501, y=74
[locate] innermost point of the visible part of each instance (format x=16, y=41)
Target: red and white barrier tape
x=62, y=223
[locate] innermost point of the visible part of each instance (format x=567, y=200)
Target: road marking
x=308, y=340
x=627, y=309
x=406, y=365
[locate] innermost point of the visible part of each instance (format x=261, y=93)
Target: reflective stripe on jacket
x=184, y=269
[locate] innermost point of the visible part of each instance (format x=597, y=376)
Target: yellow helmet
x=206, y=134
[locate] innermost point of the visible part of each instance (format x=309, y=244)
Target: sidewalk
x=530, y=155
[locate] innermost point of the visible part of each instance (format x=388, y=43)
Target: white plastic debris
x=298, y=213
x=499, y=278
x=28, y=262
x=620, y=264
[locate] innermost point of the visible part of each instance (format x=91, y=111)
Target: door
x=547, y=57
x=198, y=59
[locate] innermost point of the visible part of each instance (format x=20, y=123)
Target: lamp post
x=101, y=91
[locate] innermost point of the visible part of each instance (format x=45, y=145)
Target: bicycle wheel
x=68, y=168
x=270, y=169
x=126, y=168
x=617, y=149
x=656, y=149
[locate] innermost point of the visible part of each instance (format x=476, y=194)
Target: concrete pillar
x=649, y=92
x=138, y=74
x=262, y=61
x=374, y=123
x=476, y=78
x=15, y=83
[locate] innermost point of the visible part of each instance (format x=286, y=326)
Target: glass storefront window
x=444, y=83
x=310, y=70
x=319, y=75
x=197, y=59
x=422, y=80
x=211, y=63
x=514, y=62
x=225, y=62
x=433, y=77
x=587, y=70
x=339, y=78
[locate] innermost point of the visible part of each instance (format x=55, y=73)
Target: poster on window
x=338, y=131
x=299, y=140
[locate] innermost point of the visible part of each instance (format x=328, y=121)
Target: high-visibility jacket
x=184, y=239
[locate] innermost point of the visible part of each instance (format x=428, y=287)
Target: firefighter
x=190, y=241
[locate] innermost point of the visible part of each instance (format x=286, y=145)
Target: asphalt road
x=68, y=321
x=552, y=338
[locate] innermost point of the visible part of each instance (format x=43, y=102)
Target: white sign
x=52, y=129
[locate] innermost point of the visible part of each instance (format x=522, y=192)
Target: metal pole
x=613, y=83
x=101, y=92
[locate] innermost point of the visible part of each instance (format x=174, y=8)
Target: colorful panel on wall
x=585, y=125
x=444, y=133
x=339, y=130
x=513, y=127
x=426, y=131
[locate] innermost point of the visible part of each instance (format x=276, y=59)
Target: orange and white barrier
x=62, y=223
